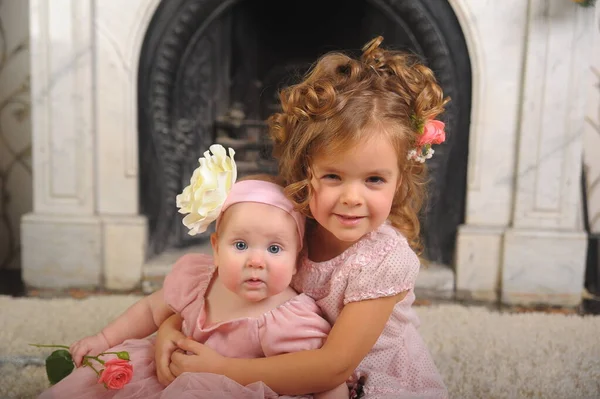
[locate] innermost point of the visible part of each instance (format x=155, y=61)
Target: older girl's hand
x=166, y=343
x=201, y=360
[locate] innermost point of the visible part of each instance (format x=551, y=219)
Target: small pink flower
x=116, y=373
x=433, y=133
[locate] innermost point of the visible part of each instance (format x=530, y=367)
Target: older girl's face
x=353, y=191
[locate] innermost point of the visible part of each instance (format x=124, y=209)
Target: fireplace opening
x=210, y=71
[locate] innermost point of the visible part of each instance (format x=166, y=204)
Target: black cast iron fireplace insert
x=210, y=70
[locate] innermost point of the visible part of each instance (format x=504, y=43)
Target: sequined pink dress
x=293, y=326
x=380, y=264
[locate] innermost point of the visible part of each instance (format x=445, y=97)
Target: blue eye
x=240, y=245
x=274, y=249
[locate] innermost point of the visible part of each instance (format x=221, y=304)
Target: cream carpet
x=481, y=353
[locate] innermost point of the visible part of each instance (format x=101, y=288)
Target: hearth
x=210, y=71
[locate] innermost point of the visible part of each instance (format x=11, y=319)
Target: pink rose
x=433, y=133
x=116, y=373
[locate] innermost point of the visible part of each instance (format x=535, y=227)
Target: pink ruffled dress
x=380, y=264
x=293, y=326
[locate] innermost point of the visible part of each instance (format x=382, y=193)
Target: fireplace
x=126, y=96
x=210, y=72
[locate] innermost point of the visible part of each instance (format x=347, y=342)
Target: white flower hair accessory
x=209, y=186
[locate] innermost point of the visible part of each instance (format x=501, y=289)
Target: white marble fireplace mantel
x=522, y=238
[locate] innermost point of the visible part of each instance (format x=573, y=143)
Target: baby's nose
x=256, y=261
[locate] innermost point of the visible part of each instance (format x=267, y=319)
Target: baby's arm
x=353, y=335
x=139, y=321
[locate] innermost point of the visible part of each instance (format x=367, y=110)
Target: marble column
x=545, y=248
x=591, y=141
x=591, y=135
x=496, y=62
x=72, y=238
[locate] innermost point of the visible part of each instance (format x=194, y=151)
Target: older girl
x=352, y=141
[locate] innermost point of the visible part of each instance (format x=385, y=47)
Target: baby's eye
x=375, y=179
x=274, y=249
x=240, y=245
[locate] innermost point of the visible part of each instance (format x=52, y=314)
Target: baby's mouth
x=254, y=281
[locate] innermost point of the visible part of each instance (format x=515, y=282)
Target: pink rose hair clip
x=430, y=132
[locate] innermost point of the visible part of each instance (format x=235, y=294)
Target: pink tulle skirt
x=82, y=383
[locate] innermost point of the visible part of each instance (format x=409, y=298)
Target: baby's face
x=256, y=250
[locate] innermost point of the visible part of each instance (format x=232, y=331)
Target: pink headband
x=263, y=192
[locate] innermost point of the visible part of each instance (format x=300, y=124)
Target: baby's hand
x=92, y=345
x=165, y=345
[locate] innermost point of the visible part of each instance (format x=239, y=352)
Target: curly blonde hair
x=339, y=103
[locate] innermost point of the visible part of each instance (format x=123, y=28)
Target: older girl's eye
x=240, y=245
x=274, y=249
x=375, y=179
x=331, y=176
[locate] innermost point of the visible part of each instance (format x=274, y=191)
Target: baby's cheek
x=279, y=280
x=230, y=278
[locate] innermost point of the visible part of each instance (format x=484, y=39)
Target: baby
x=240, y=303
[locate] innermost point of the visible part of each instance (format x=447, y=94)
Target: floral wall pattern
x=15, y=128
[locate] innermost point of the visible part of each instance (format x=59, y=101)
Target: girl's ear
x=214, y=242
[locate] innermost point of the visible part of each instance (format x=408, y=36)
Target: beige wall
x=15, y=128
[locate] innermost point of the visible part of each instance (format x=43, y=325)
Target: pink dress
x=380, y=264
x=293, y=326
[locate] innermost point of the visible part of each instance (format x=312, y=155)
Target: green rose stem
x=124, y=355
x=86, y=362
x=60, y=363
x=50, y=346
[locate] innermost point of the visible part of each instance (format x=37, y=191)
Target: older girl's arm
x=353, y=335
